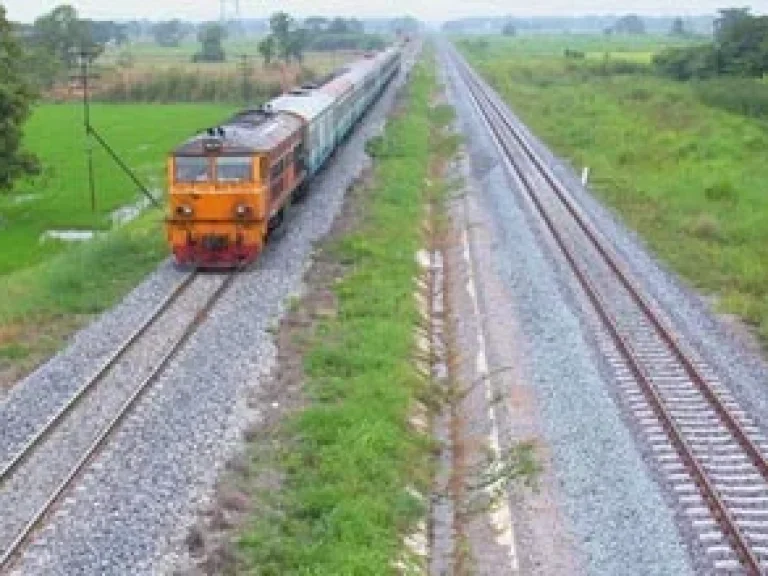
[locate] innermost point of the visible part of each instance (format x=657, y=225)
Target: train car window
x=192, y=169
x=233, y=169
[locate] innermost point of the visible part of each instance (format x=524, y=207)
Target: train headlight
x=242, y=210
x=184, y=210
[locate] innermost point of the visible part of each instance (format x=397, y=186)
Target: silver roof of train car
x=247, y=132
x=308, y=104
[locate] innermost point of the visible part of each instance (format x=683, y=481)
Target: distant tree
x=61, y=33
x=104, y=32
x=743, y=46
x=170, y=33
x=338, y=26
x=629, y=24
x=678, y=28
x=297, y=43
x=16, y=97
x=509, y=29
x=729, y=20
x=211, y=37
x=406, y=25
x=316, y=24
x=267, y=49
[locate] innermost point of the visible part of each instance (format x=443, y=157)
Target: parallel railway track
x=30, y=485
x=710, y=451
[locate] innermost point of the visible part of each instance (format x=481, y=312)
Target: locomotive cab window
x=233, y=169
x=192, y=169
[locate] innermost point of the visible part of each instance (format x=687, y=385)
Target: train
x=230, y=185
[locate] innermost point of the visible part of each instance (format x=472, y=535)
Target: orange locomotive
x=229, y=187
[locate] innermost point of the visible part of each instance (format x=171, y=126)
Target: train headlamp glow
x=184, y=210
x=242, y=210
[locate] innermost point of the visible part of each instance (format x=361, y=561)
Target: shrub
x=705, y=227
x=743, y=96
x=722, y=191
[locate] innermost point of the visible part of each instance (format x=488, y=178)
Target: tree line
x=739, y=48
x=289, y=39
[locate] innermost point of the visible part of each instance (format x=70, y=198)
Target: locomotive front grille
x=215, y=242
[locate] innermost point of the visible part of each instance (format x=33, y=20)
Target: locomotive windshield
x=192, y=169
x=233, y=169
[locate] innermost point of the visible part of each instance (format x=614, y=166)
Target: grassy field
x=344, y=505
x=688, y=176
x=59, y=197
x=633, y=48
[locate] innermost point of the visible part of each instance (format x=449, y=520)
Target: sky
x=429, y=10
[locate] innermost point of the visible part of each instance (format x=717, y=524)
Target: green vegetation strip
x=43, y=304
x=687, y=176
x=349, y=458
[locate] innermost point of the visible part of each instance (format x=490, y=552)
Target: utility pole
x=85, y=57
x=245, y=70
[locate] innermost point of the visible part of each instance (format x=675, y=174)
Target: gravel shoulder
x=130, y=512
x=604, y=502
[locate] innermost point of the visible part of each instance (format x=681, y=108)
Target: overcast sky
x=432, y=10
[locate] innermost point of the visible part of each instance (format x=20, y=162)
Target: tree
x=678, y=28
x=629, y=24
x=338, y=26
x=267, y=49
x=170, y=33
x=316, y=24
x=211, y=37
x=728, y=22
x=297, y=42
x=15, y=99
x=103, y=32
x=61, y=33
x=509, y=29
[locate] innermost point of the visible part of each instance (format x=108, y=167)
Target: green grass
x=350, y=456
x=43, y=304
x=687, y=176
x=59, y=197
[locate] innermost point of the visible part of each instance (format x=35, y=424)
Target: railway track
x=710, y=452
x=39, y=474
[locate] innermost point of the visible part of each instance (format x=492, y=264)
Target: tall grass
x=178, y=85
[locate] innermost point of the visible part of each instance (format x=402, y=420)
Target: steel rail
x=663, y=330
x=51, y=424
x=709, y=491
x=126, y=408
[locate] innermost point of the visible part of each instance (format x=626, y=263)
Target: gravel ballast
x=619, y=515
x=130, y=511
